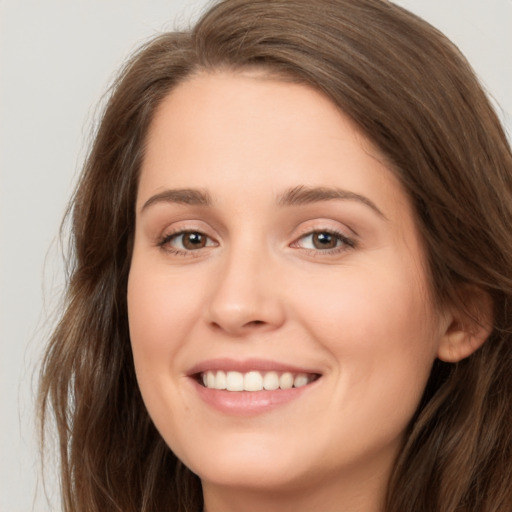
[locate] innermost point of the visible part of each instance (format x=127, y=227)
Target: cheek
x=379, y=307
x=379, y=329
x=160, y=305
x=161, y=311
x=150, y=317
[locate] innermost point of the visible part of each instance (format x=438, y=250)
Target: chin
x=271, y=476
x=252, y=464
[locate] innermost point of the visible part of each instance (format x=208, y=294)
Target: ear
x=468, y=325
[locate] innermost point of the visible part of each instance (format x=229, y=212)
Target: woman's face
x=273, y=248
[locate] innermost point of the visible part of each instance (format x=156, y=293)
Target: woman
x=291, y=285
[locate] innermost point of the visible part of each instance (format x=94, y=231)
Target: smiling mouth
x=254, y=380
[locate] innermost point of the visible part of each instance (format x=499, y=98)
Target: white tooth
x=271, y=381
x=253, y=381
x=300, y=380
x=286, y=380
x=220, y=380
x=205, y=379
x=210, y=380
x=235, y=381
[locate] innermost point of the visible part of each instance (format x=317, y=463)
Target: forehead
x=219, y=127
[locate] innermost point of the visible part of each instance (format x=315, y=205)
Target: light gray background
x=56, y=59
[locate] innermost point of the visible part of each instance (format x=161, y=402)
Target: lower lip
x=249, y=403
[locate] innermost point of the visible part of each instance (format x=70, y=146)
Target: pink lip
x=260, y=365
x=247, y=403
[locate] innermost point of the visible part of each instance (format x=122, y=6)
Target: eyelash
x=346, y=243
x=164, y=242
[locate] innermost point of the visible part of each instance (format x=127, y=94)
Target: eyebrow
x=189, y=196
x=296, y=196
x=302, y=195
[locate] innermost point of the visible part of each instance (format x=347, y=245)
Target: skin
x=358, y=314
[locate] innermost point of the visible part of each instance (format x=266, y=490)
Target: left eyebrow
x=301, y=195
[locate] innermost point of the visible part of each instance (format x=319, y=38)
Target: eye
x=186, y=241
x=325, y=240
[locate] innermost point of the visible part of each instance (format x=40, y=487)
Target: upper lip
x=247, y=365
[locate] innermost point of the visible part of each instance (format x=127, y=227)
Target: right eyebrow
x=190, y=196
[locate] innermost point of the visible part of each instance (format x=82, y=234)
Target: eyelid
x=176, y=226
x=348, y=242
x=163, y=241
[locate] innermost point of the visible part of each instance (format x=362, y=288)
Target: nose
x=246, y=295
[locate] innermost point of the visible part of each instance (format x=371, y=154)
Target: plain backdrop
x=56, y=59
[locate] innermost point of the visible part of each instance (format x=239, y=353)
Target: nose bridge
x=245, y=294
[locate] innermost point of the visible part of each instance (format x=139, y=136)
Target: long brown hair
x=413, y=94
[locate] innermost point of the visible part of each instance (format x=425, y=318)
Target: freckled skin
x=261, y=286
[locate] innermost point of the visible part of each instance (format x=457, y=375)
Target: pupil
x=324, y=241
x=194, y=241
